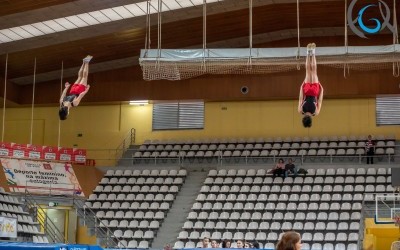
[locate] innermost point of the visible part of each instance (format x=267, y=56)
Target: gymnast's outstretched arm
x=64, y=93
x=320, y=98
x=301, y=99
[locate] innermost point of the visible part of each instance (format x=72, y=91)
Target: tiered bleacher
x=27, y=229
x=133, y=203
x=324, y=206
x=306, y=148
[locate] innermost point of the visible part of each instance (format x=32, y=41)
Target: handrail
x=357, y=158
x=100, y=228
x=47, y=224
x=129, y=139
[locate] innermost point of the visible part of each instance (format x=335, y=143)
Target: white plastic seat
x=302, y=206
x=331, y=226
x=261, y=236
x=318, y=237
x=306, y=237
x=298, y=226
x=361, y=171
x=220, y=225
x=177, y=245
x=286, y=226
x=272, y=236
x=340, y=246
x=216, y=235
x=309, y=226
x=359, y=188
x=190, y=244
x=350, y=171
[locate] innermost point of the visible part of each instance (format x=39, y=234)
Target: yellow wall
x=379, y=236
x=104, y=126
x=82, y=236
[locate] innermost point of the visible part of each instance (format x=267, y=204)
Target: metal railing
x=47, y=225
x=103, y=233
x=58, y=188
x=128, y=140
x=222, y=160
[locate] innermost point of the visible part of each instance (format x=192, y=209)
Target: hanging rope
x=395, y=33
x=298, y=35
x=396, y=65
x=4, y=98
x=159, y=32
x=61, y=90
x=204, y=34
x=346, y=42
x=250, y=31
x=33, y=99
x=147, y=42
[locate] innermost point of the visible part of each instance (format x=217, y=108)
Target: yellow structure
x=379, y=236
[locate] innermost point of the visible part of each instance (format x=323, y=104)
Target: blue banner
x=33, y=246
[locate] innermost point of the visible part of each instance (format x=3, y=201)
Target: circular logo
x=380, y=24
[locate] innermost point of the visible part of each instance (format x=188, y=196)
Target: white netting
x=184, y=64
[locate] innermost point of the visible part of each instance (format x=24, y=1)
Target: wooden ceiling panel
x=8, y=7
x=220, y=27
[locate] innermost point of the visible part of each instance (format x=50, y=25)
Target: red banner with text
x=36, y=152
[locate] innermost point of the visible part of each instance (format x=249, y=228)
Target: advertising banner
x=79, y=155
x=34, y=151
x=48, y=153
x=41, y=177
x=19, y=150
x=65, y=154
x=8, y=227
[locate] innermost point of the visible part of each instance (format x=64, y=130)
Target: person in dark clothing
x=279, y=169
x=290, y=168
x=226, y=244
x=370, y=150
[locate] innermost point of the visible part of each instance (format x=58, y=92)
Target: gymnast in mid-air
x=78, y=90
x=311, y=91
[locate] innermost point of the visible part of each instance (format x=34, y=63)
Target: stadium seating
x=323, y=205
x=27, y=229
x=133, y=203
x=335, y=148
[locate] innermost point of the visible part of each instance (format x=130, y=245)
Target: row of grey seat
x=11, y=207
x=270, y=140
x=325, y=205
x=350, y=171
x=270, y=245
x=261, y=146
x=133, y=202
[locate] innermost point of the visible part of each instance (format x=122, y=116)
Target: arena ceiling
x=114, y=31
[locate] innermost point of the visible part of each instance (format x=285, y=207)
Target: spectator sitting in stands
x=290, y=240
x=256, y=245
x=214, y=244
x=246, y=245
x=279, y=169
x=240, y=244
x=167, y=247
x=290, y=168
x=205, y=242
x=226, y=244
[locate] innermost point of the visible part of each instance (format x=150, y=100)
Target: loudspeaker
x=244, y=90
